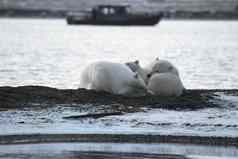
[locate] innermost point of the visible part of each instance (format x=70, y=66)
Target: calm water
x=51, y=53
x=113, y=150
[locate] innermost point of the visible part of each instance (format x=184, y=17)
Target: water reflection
x=110, y=150
x=50, y=53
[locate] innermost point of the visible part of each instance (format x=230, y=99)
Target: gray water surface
x=112, y=150
x=217, y=121
x=51, y=53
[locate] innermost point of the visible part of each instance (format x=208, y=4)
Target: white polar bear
x=161, y=66
x=157, y=66
x=161, y=76
x=165, y=84
x=164, y=79
x=135, y=67
x=114, y=78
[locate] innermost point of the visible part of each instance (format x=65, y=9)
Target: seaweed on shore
x=92, y=115
x=27, y=96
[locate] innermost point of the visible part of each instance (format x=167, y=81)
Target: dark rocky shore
x=39, y=96
x=117, y=138
x=98, y=155
x=43, y=97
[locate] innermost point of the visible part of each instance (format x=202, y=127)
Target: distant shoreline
x=163, y=19
x=177, y=15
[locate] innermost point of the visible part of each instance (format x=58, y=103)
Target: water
x=75, y=150
x=220, y=121
x=51, y=53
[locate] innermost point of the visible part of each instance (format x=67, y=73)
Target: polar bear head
x=135, y=67
x=162, y=66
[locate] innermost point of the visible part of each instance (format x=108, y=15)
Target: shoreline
x=117, y=138
x=40, y=96
x=171, y=15
x=163, y=19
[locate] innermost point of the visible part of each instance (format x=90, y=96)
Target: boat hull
x=133, y=20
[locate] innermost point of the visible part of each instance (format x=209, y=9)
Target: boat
x=112, y=15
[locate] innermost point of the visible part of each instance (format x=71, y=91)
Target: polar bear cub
x=114, y=78
x=161, y=76
x=161, y=66
x=164, y=79
x=135, y=67
x=165, y=84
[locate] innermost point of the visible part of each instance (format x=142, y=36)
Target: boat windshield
x=108, y=11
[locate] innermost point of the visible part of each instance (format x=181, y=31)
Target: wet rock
x=187, y=124
x=94, y=116
x=231, y=126
x=118, y=138
x=218, y=125
x=196, y=125
x=21, y=122
x=3, y=109
x=211, y=117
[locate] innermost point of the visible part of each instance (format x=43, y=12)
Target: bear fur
x=164, y=79
x=135, y=67
x=114, y=78
x=161, y=76
x=161, y=66
x=165, y=84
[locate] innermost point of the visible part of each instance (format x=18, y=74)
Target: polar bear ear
x=157, y=59
x=136, y=75
x=137, y=62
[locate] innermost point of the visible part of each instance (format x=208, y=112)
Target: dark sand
x=26, y=96
x=117, y=138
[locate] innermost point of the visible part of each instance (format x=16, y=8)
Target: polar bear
x=161, y=66
x=157, y=66
x=114, y=78
x=162, y=77
x=165, y=84
x=135, y=67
